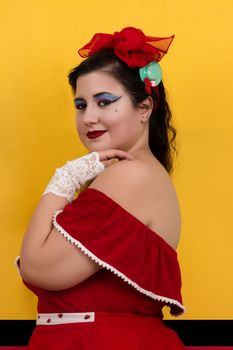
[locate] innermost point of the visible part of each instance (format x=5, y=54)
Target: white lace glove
x=68, y=179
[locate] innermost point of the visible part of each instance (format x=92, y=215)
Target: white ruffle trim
x=112, y=269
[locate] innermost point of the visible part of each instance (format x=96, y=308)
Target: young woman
x=103, y=264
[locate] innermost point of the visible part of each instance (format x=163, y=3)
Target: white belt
x=62, y=318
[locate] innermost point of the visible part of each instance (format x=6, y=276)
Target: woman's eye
x=104, y=103
x=80, y=105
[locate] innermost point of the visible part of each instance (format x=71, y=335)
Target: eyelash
x=80, y=106
x=102, y=103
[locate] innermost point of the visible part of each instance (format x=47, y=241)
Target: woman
x=104, y=264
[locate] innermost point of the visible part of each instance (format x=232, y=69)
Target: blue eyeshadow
x=107, y=96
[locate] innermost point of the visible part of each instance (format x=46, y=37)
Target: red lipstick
x=95, y=134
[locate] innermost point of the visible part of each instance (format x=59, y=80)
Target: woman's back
x=162, y=204
x=144, y=188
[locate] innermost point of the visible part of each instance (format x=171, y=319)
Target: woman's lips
x=95, y=134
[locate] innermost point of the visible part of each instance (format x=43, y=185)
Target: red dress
x=122, y=303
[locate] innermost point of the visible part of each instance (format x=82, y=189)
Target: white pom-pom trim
x=112, y=269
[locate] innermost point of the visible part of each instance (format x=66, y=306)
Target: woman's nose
x=91, y=115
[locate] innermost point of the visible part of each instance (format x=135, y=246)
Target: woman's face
x=105, y=115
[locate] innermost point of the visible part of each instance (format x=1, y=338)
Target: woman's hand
x=69, y=178
x=111, y=156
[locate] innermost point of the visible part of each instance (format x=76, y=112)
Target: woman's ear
x=146, y=107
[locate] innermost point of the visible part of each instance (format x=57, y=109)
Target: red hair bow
x=131, y=45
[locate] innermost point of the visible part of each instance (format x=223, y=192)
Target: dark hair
x=161, y=133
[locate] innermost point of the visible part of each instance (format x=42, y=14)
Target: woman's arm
x=47, y=259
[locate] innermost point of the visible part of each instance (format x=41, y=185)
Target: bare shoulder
x=121, y=179
x=146, y=191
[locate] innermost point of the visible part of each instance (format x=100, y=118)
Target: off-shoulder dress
x=119, y=307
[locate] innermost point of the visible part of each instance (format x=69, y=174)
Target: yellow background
x=39, y=42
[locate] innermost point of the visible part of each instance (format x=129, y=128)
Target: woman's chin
x=96, y=149
x=97, y=146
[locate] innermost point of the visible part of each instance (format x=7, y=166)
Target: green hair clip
x=151, y=71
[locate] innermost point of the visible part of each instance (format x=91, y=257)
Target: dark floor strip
x=191, y=332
